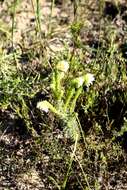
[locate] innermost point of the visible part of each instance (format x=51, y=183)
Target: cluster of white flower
x=85, y=79
x=88, y=79
x=43, y=105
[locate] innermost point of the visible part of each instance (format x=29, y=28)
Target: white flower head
x=43, y=105
x=46, y=106
x=62, y=66
x=89, y=78
x=85, y=79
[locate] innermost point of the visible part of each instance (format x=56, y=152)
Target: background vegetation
x=63, y=97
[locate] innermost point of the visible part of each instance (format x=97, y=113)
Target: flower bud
x=62, y=66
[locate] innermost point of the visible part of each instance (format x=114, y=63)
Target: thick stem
x=78, y=92
x=68, y=99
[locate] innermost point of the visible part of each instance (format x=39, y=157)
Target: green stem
x=68, y=99
x=70, y=164
x=58, y=85
x=78, y=92
x=13, y=21
x=50, y=18
x=38, y=16
x=53, y=109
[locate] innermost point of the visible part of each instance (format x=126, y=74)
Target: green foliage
x=64, y=107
